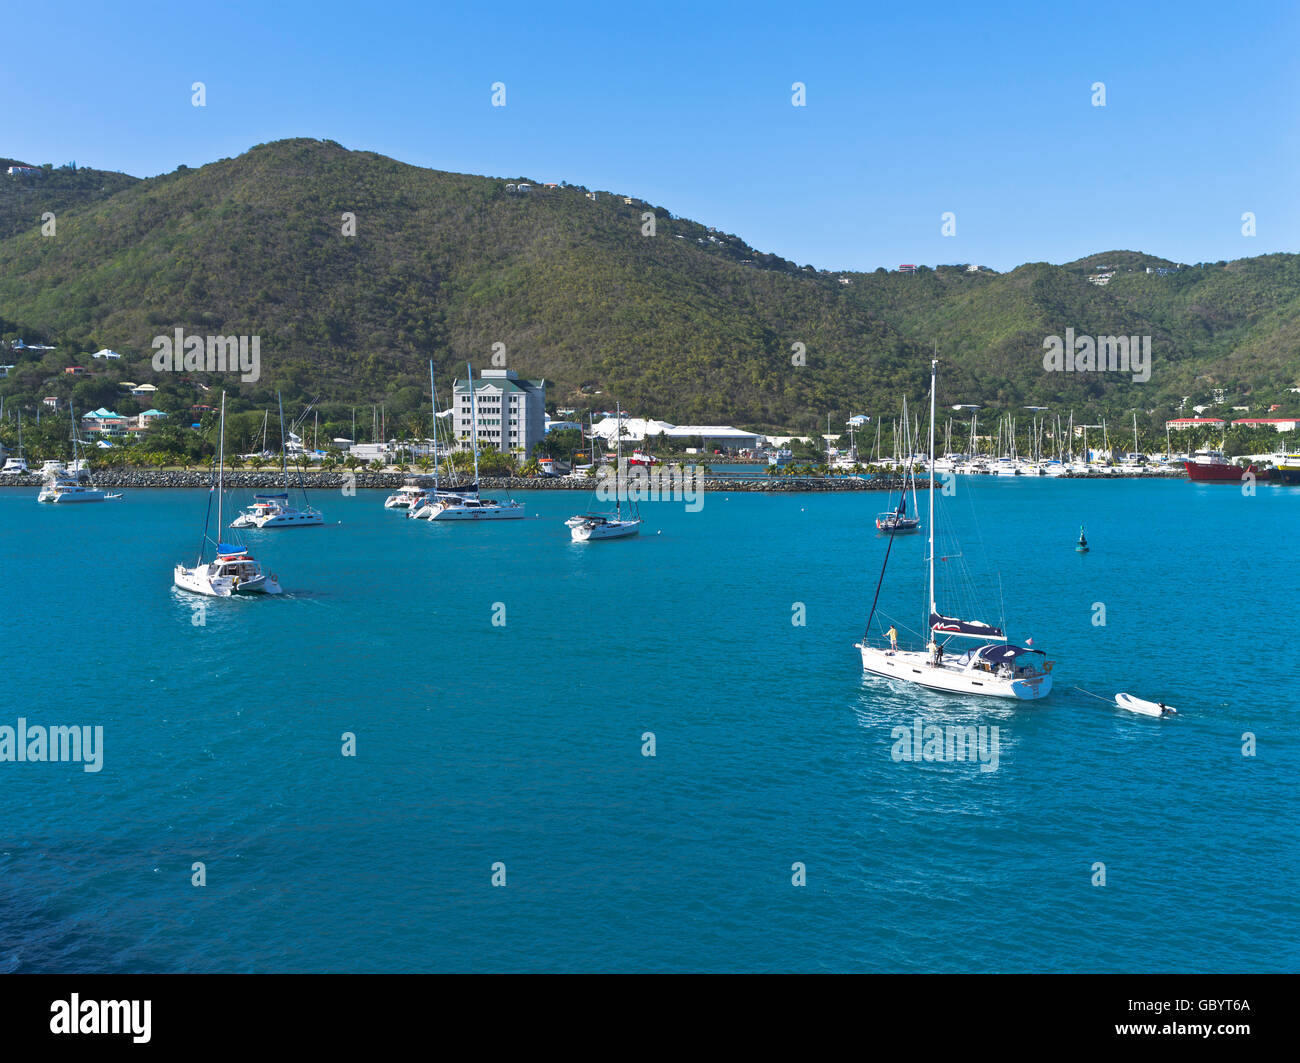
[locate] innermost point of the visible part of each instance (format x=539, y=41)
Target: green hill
x=689, y=324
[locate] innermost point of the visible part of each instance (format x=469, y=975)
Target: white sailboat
x=65, y=486
x=16, y=466
x=276, y=511
x=465, y=506
x=896, y=521
x=591, y=527
x=993, y=668
x=232, y=570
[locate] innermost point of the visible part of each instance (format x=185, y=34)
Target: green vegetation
x=689, y=325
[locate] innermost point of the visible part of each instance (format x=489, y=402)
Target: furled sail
x=974, y=629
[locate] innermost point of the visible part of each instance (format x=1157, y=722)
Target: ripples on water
x=522, y=744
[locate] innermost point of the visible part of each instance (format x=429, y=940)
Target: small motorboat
x=1144, y=708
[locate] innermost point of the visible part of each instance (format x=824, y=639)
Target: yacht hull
x=477, y=514
x=93, y=495
x=911, y=666
x=200, y=581
x=588, y=533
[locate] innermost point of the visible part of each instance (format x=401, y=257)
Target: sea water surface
x=520, y=743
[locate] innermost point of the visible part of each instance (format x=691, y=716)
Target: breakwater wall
x=266, y=481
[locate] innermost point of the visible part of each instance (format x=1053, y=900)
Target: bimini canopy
x=258, y=498
x=226, y=549
x=1003, y=654
x=971, y=629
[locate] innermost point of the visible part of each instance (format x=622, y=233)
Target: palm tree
x=530, y=468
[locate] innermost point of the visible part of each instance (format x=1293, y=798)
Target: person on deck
x=893, y=639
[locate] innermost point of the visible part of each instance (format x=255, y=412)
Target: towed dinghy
x=1145, y=708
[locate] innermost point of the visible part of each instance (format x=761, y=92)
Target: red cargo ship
x=1210, y=466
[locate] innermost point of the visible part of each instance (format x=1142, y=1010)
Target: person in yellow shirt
x=893, y=639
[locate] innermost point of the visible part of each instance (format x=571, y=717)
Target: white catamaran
x=993, y=668
x=64, y=485
x=590, y=527
x=232, y=570
x=276, y=511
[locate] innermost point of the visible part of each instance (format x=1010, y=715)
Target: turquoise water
x=522, y=743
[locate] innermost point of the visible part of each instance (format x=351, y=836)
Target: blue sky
x=912, y=110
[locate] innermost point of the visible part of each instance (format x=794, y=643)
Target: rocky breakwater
x=342, y=480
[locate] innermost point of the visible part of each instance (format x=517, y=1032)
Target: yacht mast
x=473, y=413
x=221, y=469
x=934, y=372
x=433, y=394
x=618, y=459
x=284, y=458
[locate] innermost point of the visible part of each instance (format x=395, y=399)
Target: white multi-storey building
x=511, y=411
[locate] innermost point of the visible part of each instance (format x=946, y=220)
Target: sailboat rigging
x=232, y=569
x=995, y=668
x=589, y=527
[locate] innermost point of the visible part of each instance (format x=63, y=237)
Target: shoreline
x=377, y=481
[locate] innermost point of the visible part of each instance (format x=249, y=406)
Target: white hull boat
x=970, y=673
x=65, y=491
x=274, y=511
x=451, y=507
x=408, y=496
x=226, y=577
x=994, y=668
x=232, y=571
x=592, y=528
x=1144, y=708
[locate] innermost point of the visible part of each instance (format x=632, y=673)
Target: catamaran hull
x=80, y=496
x=281, y=520
x=487, y=513
x=198, y=581
x=909, y=666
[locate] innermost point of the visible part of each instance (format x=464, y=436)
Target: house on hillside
x=105, y=353
x=1282, y=424
x=52, y=401
x=104, y=422
x=76, y=370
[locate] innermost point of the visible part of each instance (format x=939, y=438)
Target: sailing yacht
x=17, y=466
x=232, y=570
x=64, y=486
x=590, y=527
x=276, y=511
x=992, y=668
x=896, y=521
x=464, y=505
